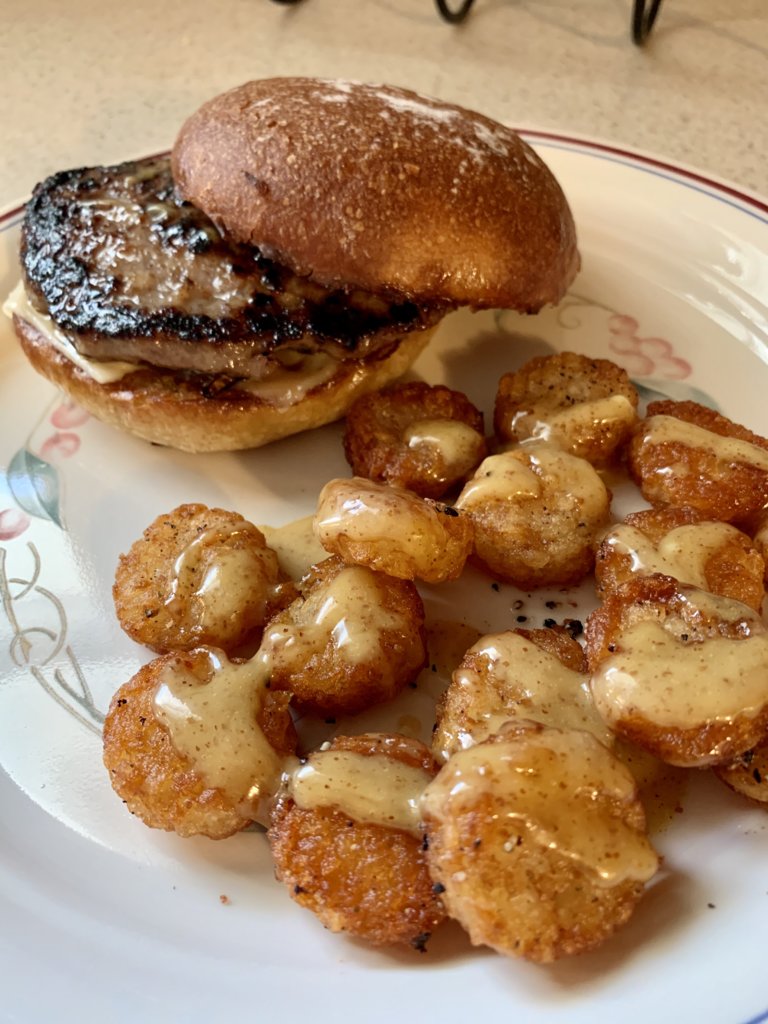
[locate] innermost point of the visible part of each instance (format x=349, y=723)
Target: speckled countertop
x=91, y=82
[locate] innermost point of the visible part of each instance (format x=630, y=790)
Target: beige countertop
x=89, y=82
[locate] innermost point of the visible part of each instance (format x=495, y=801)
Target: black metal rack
x=644, y=14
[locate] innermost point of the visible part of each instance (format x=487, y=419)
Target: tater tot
x=426, y=438
x=680, y=542
x=188, y=738
x=679, y=671
x=686, y=454
x=537, y=674
x=392, y=530
x=347, y=843
x=353, y=638
x=197, y=576
x=538, y=838
x=586, y=406
x=536, y=512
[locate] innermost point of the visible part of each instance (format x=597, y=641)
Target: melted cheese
x=103, y=372
x=282, y=387
x=288, y=385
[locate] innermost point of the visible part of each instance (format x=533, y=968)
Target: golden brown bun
x=382, y=189
x=179, y=410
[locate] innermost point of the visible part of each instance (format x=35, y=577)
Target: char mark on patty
x=131, y=272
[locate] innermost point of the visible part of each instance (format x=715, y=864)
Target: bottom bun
x=192, y=413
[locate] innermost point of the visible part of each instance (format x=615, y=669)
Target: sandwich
x=298, y=248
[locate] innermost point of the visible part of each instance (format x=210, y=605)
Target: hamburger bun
x=371, y=204
x=173, y=408
x=382, y=189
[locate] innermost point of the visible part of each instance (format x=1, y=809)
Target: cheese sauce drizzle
x=670, y=430
x=211, y=707
x=347, y=610
x=680, y=684
x=455, y=442
x=532, y=470
x=683, y=552
x=375, y=789
x=214, y=580
x=561, y=789
x=576, y=424
x=517, y=679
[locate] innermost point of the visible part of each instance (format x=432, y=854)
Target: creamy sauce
x=683, y=552
x=504, y=477
x=661, y=787
x=211, y=711
x=557, y=788
x=535, y=470
x=296, y=546
x=516, y=679
x=675, y=684
x=576, y=425
x=457, y=444
x=375, y=789
x=669, y=429
x=214, y=580
x=346, y=611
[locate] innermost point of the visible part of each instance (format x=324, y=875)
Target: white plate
x=103, y=919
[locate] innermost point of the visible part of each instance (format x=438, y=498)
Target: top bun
x=379, y=188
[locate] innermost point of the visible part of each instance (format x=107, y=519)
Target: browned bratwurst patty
x=131, y=272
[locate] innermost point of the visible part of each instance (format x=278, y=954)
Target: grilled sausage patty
x=131, y=272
